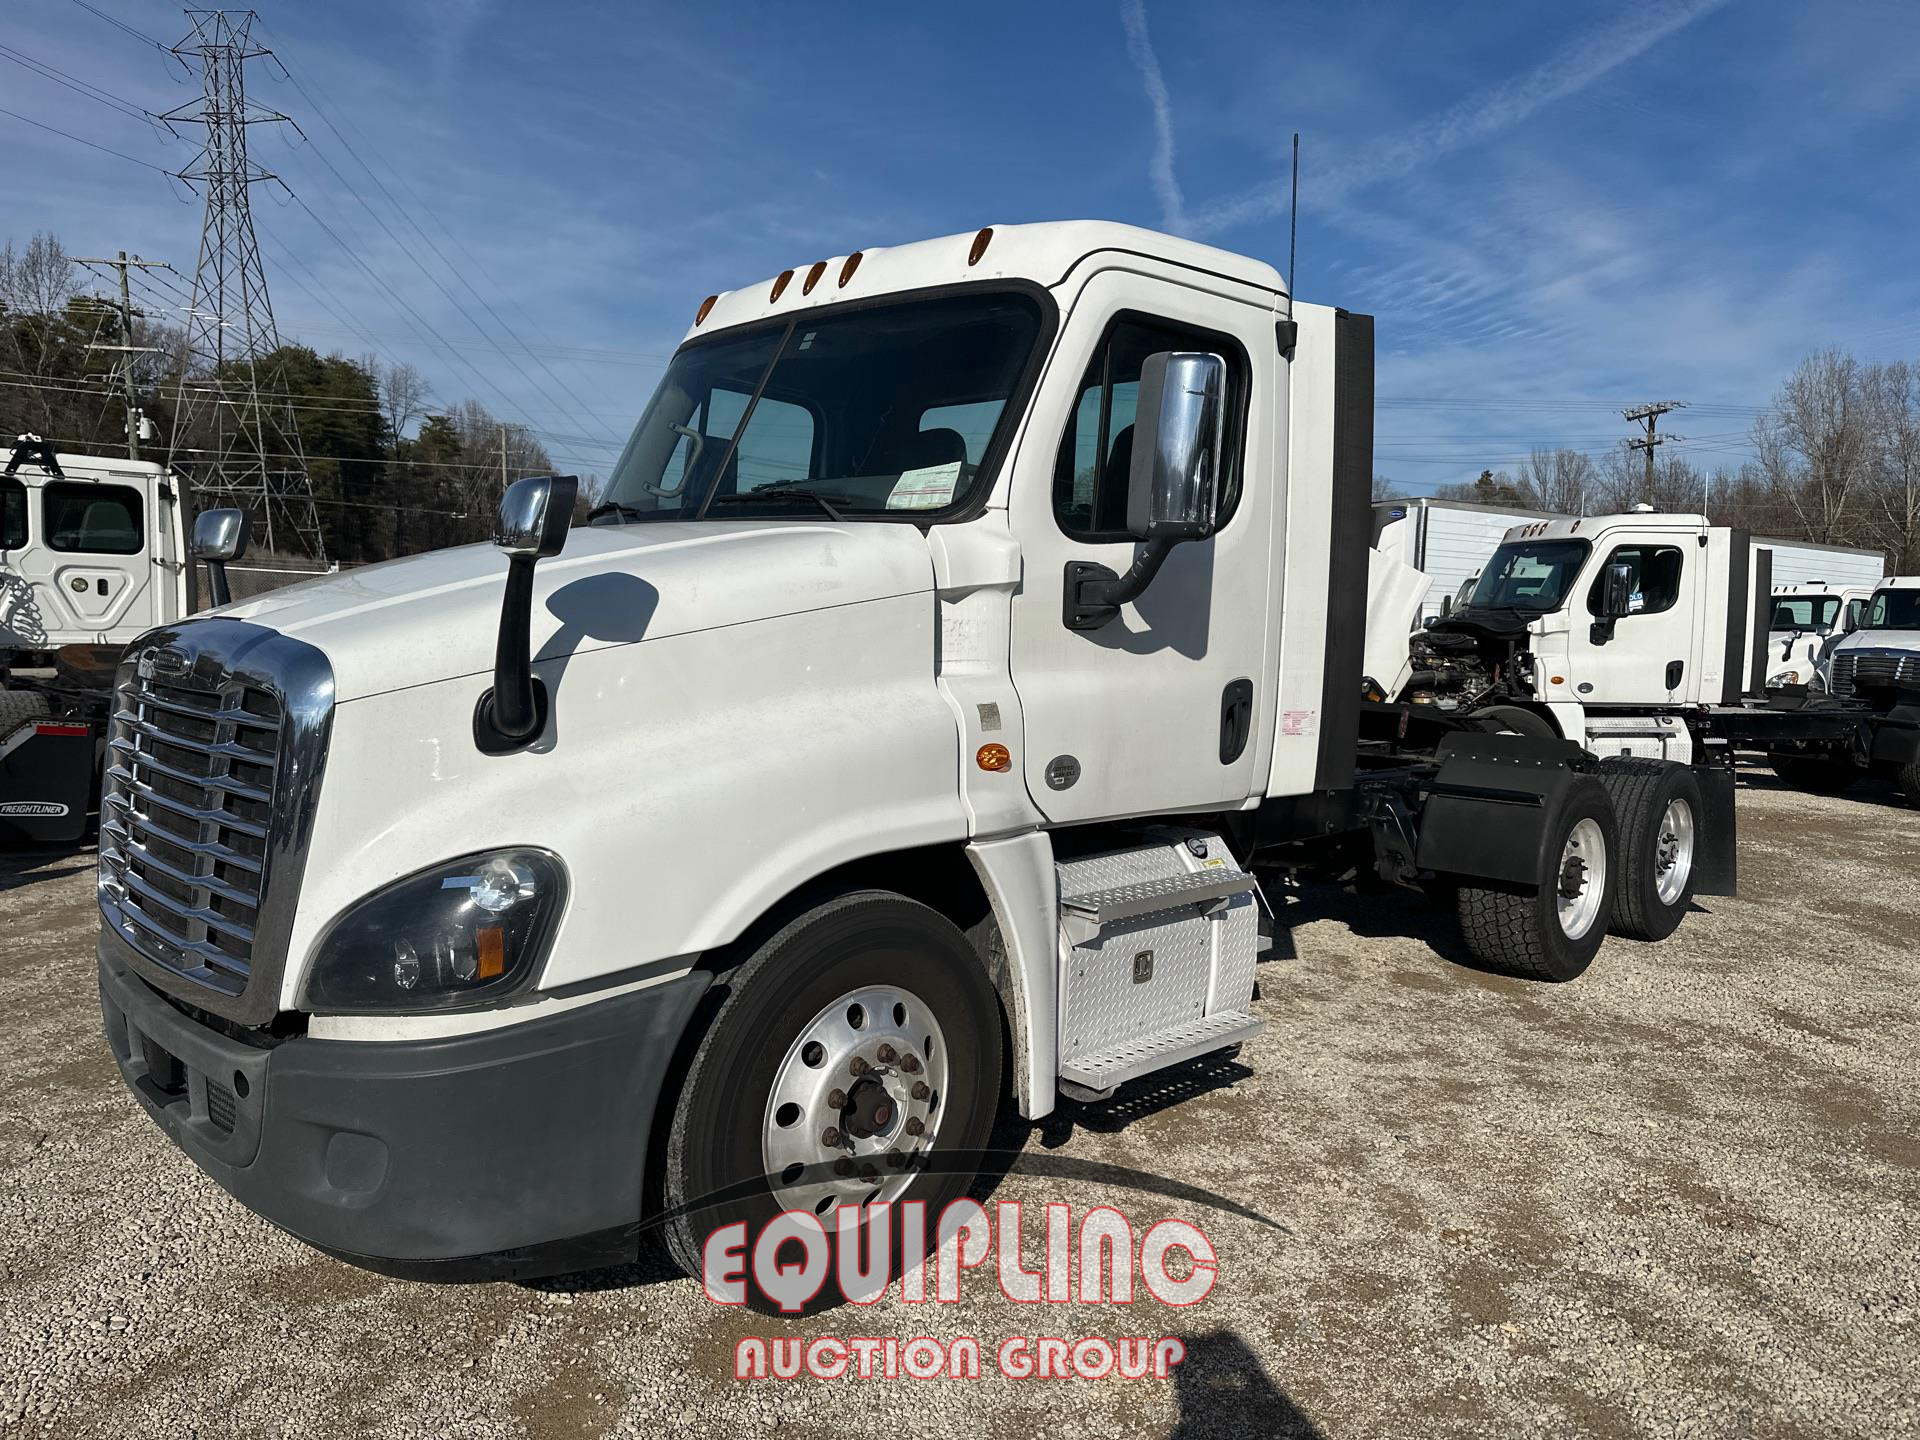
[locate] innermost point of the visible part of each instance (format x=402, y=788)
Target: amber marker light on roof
x=706, y=307
x=813, y=277
x=993, y=757
x=980, y=243
x=846, y=270
x=780, y=286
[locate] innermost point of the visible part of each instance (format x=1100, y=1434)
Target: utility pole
x=1649, y=416
x=503, y=462
x=123, y=264
x=254, y=458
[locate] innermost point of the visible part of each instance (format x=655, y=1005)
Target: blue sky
x=1552, y=209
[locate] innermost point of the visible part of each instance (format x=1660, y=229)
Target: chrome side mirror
x=534, y=517
x=1616, y=594
x=1173, y=487
x=1179, y=439
x=220, y=536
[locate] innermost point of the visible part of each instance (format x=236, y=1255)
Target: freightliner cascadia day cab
x=963, y=630
x=92, y=553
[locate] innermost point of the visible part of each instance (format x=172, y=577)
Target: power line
x=68, y=135
x=78, y=86
x=121, y=25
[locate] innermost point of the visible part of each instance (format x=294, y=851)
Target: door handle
x=1236, y=719
x=1675, y=669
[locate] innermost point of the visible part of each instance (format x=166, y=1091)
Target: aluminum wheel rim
x=820, y=1155
x=1582, y=878
x=1673, y=852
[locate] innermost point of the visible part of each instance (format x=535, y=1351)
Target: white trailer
x=1447, y=539
x=1801, y=562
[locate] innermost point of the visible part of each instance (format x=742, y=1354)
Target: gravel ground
x=1677, y=1197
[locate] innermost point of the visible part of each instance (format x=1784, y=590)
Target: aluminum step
x=1147, y=897
x=1187, y=1041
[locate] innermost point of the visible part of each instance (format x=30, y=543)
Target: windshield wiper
x=784, y=492
x=614, y=507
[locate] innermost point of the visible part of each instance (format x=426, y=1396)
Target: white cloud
x=1173, y=206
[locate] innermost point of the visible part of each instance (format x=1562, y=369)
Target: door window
x=1854, y=607
x=13, y=515
x=92, y=519
x=1654, y=583
x=1096, y=454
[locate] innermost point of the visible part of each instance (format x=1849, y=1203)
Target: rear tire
x=18, y=707
x=1907, y=777
x=1551, y=930
x=778, y=1046
x=1659, y=810
x=1815, y=773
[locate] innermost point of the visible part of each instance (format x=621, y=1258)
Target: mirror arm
x=217, y=582
x=514, y=711
x=1094, y=594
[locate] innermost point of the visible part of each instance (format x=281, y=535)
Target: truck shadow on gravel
x=1223, y=1391
x=1869, y=790
x=31, y=865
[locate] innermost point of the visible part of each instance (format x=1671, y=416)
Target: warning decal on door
x=1299, y=722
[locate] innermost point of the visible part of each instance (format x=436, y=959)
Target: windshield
x=1530, y=575
x=1804, y=612
x=889, y=409
x=1894, y=610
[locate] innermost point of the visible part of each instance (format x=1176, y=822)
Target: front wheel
x=1660, y=811
x=1552, y=929
x=856, y=1046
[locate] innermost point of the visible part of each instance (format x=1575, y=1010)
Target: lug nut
x=916, y=1126
x=843, y=1167
x=830, y=1136
x=920, y=1090
x=888, y=1054
x=893, y=1159
x=836, y=1099
x=910, y=1064
x=869, y=1174
x=858, y=1065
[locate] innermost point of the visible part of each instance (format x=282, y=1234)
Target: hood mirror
x=535, y=515
x=218, y=537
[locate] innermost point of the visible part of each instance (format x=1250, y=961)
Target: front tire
x=1551, y=930
x=817, y=1072
x=1660, y=812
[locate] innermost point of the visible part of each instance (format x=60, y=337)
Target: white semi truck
x=92, y=553
x=1806, y=622
x=965, y=630
x=1648, y=634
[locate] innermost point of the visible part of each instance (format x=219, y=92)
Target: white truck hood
x=436, y=616
x=1906, y=641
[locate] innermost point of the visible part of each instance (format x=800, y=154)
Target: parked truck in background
x=966, y=632
x=1447, y=540
x=1805, y=623
x=92, y=553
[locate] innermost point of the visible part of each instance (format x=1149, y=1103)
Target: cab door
x=97, y=557
x=1653, y=650
x=1157, y=710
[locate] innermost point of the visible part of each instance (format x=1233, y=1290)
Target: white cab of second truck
x=1448, y=540
x=1883, y=649
x=1804, y=625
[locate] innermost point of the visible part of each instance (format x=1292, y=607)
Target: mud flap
x=46, y=782
x=1487, y=814
x=1896, y=739
x=1716, y=857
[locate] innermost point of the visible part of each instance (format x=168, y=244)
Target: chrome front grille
x=1854, y=668
x=214, y=755
x=186, y=815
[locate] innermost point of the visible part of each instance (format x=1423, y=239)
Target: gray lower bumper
x=421, y=1152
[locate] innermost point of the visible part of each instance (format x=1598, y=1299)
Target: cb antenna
x=1293, y=220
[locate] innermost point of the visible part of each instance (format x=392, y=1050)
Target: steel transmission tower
x=251, y=457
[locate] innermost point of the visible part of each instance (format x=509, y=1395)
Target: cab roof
x=1044, y=254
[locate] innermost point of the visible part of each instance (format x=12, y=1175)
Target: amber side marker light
x=813, y=277
x=490, y=945
x=780, y=285
x=1556, y=679
x=980, y=243
x=846, y=270
x=993, y=757
x=706, y=308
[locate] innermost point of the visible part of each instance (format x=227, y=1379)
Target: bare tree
x=1562, y=480
x=1385, y=489
x=37, y=280
x=1815, y=446
x=1893, y=395
x=404, y=394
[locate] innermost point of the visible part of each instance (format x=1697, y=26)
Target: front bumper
x=513, y=1151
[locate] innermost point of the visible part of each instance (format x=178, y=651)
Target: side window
x=13, y=514
x=1096, y=453
x=1655, y=571
x=1854, y=607
x=92, y=519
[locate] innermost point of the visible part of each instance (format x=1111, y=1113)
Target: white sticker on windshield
x=927, y=488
